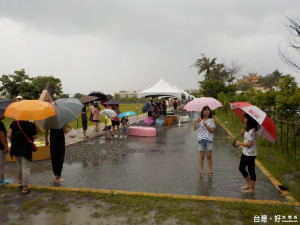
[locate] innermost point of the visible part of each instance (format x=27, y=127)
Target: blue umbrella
x=127, y=113
x=146, y=107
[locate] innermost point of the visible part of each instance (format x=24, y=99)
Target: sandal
x=201, y=174
x=26, y=191
x=210, y=174
x=245, y=188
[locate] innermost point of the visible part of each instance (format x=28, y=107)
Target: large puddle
x=167, y=163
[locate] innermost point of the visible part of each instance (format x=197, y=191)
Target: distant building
x=253, y=79
x=125, y=94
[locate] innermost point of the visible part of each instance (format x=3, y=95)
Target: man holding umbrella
x=67, y=110
x=57, y=150
x=84, y=120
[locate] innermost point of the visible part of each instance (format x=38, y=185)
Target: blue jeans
x=205, y=145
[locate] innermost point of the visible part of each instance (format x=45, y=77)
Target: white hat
x=19, y=96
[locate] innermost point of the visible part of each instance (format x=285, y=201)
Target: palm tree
x=219, y=72
x=205, y=65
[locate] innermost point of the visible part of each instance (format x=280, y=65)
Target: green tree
x=30, y=88
x=64, y=95
x=15, y=84
x=265, y=82
x=287, y=99
x=204, y=64
x=39, y=83
x=244, y=86
x=276, y=76
x=219, y=73
x=212, y=88
x=78, y=95
x=270, y=81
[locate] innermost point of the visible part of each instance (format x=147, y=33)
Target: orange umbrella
x=30, y=110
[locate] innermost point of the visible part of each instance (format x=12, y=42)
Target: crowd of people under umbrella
x=56, y=116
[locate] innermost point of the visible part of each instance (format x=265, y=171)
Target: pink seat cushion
x=141, y=131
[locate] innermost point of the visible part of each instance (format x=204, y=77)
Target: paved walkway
x=142, y=158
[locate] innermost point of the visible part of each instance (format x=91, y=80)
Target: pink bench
x=141, y=131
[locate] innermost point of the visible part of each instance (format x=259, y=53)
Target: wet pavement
x=167, y=163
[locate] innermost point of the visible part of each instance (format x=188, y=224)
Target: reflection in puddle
x=167, y=163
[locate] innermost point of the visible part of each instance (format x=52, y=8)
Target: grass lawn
x=96, y=208
x=123, y=108
x=77, y=123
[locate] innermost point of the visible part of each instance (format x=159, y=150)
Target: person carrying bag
x=34, y=147
x=21, y=135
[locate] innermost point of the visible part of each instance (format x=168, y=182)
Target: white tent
x=182, y=94
x=187, y=95
x=161, y=88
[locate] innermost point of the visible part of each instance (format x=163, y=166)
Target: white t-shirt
x=203, y=133
x=250, y=136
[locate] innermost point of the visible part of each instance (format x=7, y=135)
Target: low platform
x=168, y=121
x=42, y=153
x=141, y=131
x=183, y=119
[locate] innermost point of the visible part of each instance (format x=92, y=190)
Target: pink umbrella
x=267, y=130
x=197, y=104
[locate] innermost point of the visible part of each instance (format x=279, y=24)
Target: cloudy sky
x=113, y=45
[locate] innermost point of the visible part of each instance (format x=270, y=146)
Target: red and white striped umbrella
x=267, y=130
x=197, y=104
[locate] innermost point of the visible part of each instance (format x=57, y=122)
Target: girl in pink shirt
x=96, y=114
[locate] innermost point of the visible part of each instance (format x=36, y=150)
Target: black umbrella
x=100, y=95
x=3, y=104
x=112, y=102
x=86, y=98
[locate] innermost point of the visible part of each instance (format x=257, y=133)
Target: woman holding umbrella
x=206, y=128
x=249, y=153
x=21, y=148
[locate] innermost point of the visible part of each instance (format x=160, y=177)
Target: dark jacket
x=19, y=144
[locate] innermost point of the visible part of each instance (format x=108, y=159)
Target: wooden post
x=295, y=143
x=287, y=138
x=281, y=137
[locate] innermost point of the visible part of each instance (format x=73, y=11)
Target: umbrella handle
x=235, y=140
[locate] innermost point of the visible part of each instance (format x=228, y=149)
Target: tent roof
x=187, y=95
x=161, y=88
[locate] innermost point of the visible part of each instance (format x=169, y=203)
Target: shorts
x=124, y=131
x=115, y=123
x=107, y=127
x=84, y=124
x=205, y=145
x=95, y=121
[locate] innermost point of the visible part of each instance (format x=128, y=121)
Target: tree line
x=19, y=83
